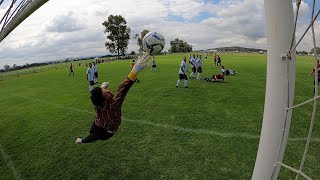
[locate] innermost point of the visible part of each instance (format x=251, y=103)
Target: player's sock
x=90, y=88
x=185, y=83
x=199, y=76
x=178, y=82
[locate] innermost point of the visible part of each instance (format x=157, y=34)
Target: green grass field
x=208, y=131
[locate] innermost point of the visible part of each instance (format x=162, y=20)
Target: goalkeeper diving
x=108, y=106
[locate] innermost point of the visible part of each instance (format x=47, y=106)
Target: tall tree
x=178, y=45
x=140, y=37
x=6, y=67
x=312, y=50
x=118, y=34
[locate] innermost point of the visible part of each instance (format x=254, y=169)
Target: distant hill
x=238, y=49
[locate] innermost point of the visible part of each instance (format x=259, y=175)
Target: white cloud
x=67, y=22
x=186, y=8
x=62, y=29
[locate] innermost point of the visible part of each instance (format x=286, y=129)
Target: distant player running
x=71, y=70
x=183, y=73
x=219, y=61
x=108, y=106
x=215, y=59
x=90, y=77
x=312, y=72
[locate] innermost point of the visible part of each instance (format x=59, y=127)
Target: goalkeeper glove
x=139, y=66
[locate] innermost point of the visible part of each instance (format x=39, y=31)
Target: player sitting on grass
x=215, y=78
x=108, y=106
x=227, y=71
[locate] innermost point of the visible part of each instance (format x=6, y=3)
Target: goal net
x=281, y=24
x=15, y=12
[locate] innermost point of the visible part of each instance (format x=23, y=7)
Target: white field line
x=171, y=127
x=9, y=163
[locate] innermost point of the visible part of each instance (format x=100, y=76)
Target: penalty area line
x=9, y=163
x=171, y=127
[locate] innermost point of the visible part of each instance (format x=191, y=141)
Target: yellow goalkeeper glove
x=139, y=66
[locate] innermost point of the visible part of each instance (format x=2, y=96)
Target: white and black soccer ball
x=153, y=43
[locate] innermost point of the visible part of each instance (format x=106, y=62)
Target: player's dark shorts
x=153, y=66
x=95, y=74
x=199, y=70
x=194, y=69
x=91, y=83
x=183, y=76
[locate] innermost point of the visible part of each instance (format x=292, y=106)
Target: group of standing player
x=195, y=62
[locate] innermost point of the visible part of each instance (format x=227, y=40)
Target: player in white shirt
x=193, y=66
x=227, y=71
x=223, y=71
x=206, y=54
x=95, y=70
x=90, y=77
x=154, y=65
x=199, y=67
x=183, y=73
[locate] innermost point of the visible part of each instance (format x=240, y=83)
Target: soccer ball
x=153, y=43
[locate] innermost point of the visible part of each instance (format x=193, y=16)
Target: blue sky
x=63, y=29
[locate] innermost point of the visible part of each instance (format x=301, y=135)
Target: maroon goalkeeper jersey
x=108, y=116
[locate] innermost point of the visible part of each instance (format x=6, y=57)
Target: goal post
x=280, y=86
x=20, y=16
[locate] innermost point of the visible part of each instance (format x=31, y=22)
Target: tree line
x=118, y=36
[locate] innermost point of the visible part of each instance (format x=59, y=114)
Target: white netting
x=287, y=57
x=11, y=7
x=14, y=12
